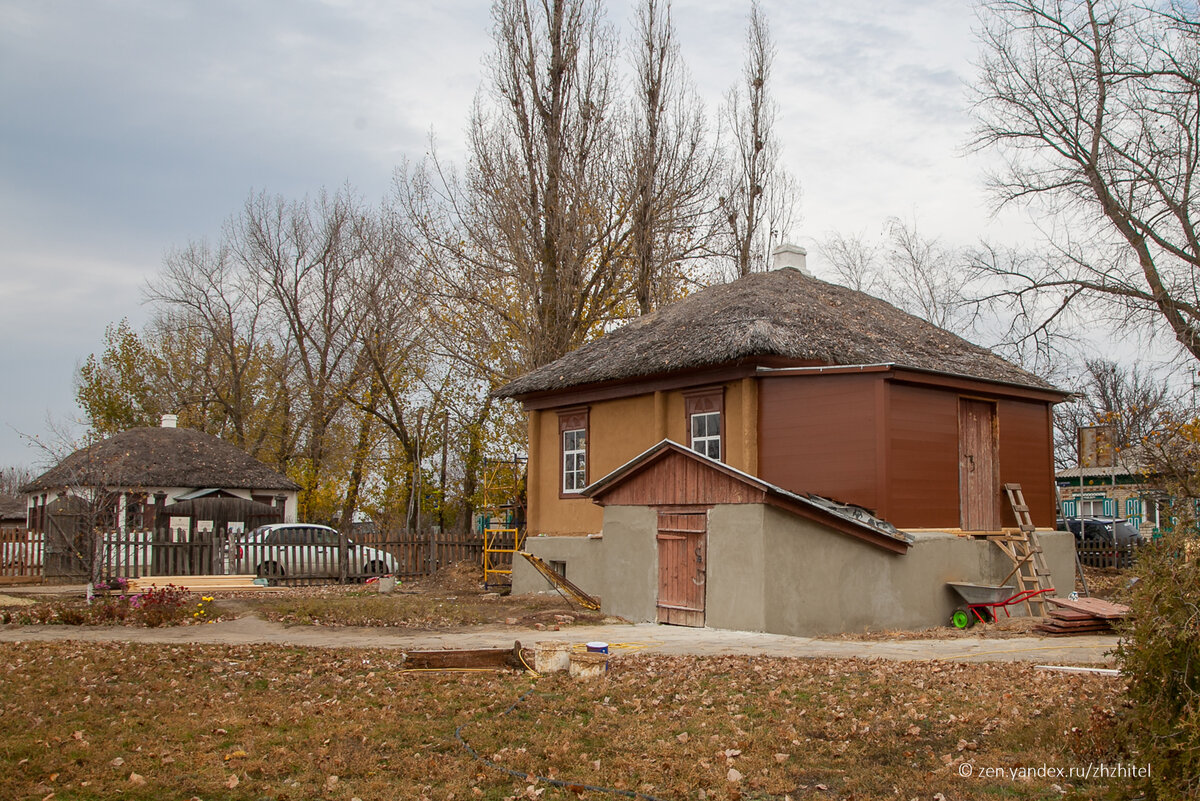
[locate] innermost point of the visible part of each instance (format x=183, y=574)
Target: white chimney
x=169, y=420
x=789, y=255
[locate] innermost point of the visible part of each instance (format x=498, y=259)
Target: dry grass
x=359, y=607
x=154, y=721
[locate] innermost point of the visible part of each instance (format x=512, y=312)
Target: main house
x=797, y=390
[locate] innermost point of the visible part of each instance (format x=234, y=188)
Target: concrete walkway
x=252, y=630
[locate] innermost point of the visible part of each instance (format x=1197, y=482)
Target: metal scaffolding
x=502, y=517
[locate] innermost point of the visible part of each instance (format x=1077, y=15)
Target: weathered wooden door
x=978, y=466
x=682, y=567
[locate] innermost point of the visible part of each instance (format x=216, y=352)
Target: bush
x=1160, y=657
x=161, y=606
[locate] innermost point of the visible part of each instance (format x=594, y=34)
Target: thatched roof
x=784, y=313
x=161, y=457
x=12, y=508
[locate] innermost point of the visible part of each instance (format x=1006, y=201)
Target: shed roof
x=161, y=457
x=685, y=484
x=784, y=314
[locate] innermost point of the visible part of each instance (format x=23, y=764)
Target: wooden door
x=978, y=466
x=682, y=567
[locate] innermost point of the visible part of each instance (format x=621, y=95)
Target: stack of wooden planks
x=1081, y=616
x=237, y=583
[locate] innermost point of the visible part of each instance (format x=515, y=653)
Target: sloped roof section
x=783, y=313
x=679, y=476
x=161, y=457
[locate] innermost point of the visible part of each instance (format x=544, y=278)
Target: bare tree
x=309, y=257
x=915, y=273
x=228, y=368
x=855, y=261
x=671, y=164
x=1129, y=400
x=529, y=246
x=758, y=195
x=13, y=478
x=1093, y=107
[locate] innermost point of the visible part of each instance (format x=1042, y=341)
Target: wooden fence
x=22, y=554
x=1096, y=552
x=299, y=556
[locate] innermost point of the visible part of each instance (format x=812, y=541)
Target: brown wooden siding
x=678, y=481
x=819, y=434
x=923, y=440
x=1026, y=458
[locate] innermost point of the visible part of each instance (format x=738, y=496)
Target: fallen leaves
x=306, y=722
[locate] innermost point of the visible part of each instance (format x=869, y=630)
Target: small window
x=704, y=411
x=572, y=438
x=558, y=567
x=706, y=434
x=574, y=451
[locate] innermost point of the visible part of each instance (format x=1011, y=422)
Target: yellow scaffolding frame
x=502, y=532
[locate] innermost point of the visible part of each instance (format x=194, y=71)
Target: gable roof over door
x=671, y=475
x=784, y=314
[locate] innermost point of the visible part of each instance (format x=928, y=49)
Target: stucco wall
x=583, y=555
x=821, y=582
x=772, y=571
x=619, y=430
x=737, y=565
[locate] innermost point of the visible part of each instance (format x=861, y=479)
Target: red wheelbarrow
x=982, y=601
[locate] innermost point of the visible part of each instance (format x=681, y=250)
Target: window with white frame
x=706, y=434
x=573, y=437
x=574, y=452
x=1094, y=507
x=705, y=408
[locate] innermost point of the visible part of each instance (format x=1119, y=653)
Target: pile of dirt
x=1105, y=582
x=460, y=578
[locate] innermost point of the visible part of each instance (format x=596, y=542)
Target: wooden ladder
x=1025, y=551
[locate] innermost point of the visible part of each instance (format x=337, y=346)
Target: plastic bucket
x=597, y=647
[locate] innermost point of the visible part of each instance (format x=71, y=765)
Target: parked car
x=301, y=550
x=1106, y=529
x=1103, y=541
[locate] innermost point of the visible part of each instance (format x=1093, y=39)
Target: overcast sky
x=130, y=127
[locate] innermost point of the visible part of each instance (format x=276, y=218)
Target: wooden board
x=979, y=468
x=1071, y=614
x=497, y=658
x=682, y=567
x=1054, y=632
x=237, y=583
x=1093, y=606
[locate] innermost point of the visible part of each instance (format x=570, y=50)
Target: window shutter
x=1070, y=508
x=1133, y=507
x=1110, y=507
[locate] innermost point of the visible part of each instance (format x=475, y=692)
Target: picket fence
x=307, y=559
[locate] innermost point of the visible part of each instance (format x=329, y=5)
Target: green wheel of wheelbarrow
x=961, y=619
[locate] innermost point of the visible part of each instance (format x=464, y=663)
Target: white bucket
x=551, y=656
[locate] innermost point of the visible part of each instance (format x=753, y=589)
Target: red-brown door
x=682, y=567
x=978, y=466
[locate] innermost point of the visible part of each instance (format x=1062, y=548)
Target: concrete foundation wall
x=584, y=564
x=820, y=582
x=772, y=571
x=737, y=568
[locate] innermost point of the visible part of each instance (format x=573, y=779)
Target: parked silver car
x=301, y=550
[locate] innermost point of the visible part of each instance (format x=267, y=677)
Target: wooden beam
x=478, y=658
